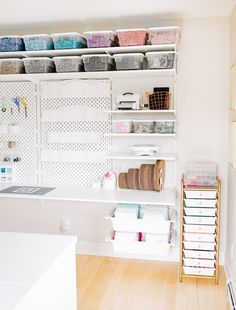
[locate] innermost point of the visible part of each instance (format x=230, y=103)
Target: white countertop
x=88, y=194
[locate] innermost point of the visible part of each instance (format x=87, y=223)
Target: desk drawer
x=200, y=220
x=202, y=203
x=199, y=237
x=194, y=262
x=208, y=246
x=199, y=254
x=199, y=271
x=206, y=229
x=200, y=211
x=200, y=194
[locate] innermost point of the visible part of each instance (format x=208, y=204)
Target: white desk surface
x=88, y=194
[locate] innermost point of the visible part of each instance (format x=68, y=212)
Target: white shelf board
x=163, y=135
x=163, y=112
x=88, y=194
x=130, y=156
x=83, y=51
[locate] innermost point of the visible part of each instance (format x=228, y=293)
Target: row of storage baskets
x=90, y=63
x=92, y=39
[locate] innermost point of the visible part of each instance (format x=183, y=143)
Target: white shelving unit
x=130, y=156
x=141, y=112
x=150, y=135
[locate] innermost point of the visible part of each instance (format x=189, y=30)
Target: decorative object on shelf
x=144, y=149
x=200, y=231
x=109, y=180
x=129, y=101
x=160, y=99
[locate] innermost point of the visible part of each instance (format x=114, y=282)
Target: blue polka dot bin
x=11, y=44
x=68, y=40
x=38, y=42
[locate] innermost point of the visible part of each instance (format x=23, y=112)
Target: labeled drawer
x=200, y=211
x=194, y=262
x=199, y=237
x=208, y=246
x=199, y=271
x=200, y=194
x=199, y=254
x=201, y=220
x=202, y=203
x=206, y=229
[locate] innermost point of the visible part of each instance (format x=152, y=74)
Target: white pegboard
x=73, y=122
x=26, y=139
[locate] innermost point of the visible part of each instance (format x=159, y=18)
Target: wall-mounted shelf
x=130, y=156
x=138, y=112
x=83, y=51
x=150, y=135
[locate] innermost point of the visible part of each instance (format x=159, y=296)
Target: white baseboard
x=105, y=249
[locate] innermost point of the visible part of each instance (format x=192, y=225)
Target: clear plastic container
x=11, y=44
x=11, y=66
x=68, y=64
x=98, y=62
x=144, y=126
x=165, y=126
x=160, y=60
x=38, y=42
x=132, y=61
x=201, y=174
x=101, y=38
x=164, y=35
x=39, y=65
x=68, y=40
x=122, y=126
x=132, y=37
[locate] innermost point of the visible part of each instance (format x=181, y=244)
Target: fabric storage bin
x=98, y=62
x=159, y=100
x=200, y=194
x=199, y=237
x=122, y=126
x=194, y=262
x=101, y=38
x=209, y=246
x=200, y=211
x=160, y=60
x=163, y=35
x=199, y=254
x=202, y=203
x=68, y=64
x=38, y=42
x=144, y=126
x=11, y=66
x=39, y=65
x=11, y=44
x=199, y=271
x=68, y=40
x=132, y=37
x=163, y=126
x=208, y=229
x=200, y=220
x=130, y=61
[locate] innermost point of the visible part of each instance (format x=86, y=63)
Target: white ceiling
x=15, y=12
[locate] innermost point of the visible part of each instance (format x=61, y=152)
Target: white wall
x=231, y=216
x=202, y=127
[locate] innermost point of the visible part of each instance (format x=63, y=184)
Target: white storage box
x=200, y=211
x=101, y=38
x=190, y=245
x=39, y=65
x=199, y=271
x=160, y=60
x=144, y=126
x=207, y=203
x=194, y=262
x=200, y=194
x=200, y=220
x=11, y=66
x=199, y=254
x=165, y=126
x=207, y=229
x=68, y=40
x=68, y=64
x=199, y=237
x=130, y=61
x=122, y=126
x=38, y=42
x=164, y=35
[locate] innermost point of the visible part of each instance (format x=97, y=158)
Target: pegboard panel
x=73, y=124
x=22, y=142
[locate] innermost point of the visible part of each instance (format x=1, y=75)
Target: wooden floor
x=106, y=283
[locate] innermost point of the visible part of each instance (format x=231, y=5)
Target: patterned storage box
x=11, y=66
x=68, y=40
x=39, y=65
x=122, y=126
x=165, y=126
x=11, y=44
x=101, y=38
x=160, y=60
x=144, y=126
x=132, y=37
x=38, y=42
x=164, y=35
x=159, y=100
